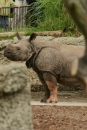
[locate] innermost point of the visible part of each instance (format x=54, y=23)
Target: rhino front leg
x=52, y=86
x=47, y=92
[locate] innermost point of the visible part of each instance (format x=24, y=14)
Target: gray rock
x=65, y=40
x=13, y=77
x=15, y=109
x=71, y=40
x=4, y=43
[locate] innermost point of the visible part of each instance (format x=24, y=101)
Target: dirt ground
x=55, y=117
x=59, y=118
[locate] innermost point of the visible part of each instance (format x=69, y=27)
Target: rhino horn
x=32, y=36
x=18, y=36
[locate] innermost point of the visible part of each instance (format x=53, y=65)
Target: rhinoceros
x=51, y=61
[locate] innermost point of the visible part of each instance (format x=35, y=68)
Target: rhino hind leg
x=52, y=86
x=47, y=92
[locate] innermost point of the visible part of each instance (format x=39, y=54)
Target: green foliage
x=51, y=15
x=48, y=15
x=11, y=15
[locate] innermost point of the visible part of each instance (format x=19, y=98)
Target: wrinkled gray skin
x=51, y=61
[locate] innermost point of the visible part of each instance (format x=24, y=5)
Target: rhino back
x=58, y=60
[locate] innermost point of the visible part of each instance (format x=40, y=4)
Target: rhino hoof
x=44, y=99
x=52, y=100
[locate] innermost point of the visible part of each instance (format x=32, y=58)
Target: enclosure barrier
x=15, y=109
x=16, y=18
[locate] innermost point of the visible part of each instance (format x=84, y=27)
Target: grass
x=47, y=15
x=51, y=15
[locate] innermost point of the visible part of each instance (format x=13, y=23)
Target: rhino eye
x=18, y=48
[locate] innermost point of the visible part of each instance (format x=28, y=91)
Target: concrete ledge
x=8, y=34
x=58, y=104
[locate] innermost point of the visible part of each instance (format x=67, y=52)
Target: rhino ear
x=32, y=36
x=18, y=36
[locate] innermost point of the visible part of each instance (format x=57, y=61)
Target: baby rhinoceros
x=50, y=60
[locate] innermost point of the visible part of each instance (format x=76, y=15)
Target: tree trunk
x=78, y=11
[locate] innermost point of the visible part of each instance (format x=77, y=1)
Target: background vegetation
x=50, y=15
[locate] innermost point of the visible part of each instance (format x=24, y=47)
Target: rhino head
x=21, y=51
